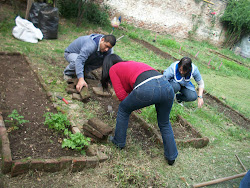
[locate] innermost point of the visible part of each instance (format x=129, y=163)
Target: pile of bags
x=42, y=24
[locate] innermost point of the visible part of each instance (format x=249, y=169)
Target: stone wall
x=178, y=18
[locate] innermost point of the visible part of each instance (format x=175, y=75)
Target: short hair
x=110, y=38
x=186, y=64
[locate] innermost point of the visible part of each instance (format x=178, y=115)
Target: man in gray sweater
x=85, y=54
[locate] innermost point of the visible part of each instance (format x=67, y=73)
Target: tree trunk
x=29, y=3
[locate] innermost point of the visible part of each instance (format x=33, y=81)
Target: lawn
x=134, y=166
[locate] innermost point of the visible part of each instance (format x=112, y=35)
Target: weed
x=16, y=120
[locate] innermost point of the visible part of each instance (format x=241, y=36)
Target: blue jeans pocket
x=144, y=94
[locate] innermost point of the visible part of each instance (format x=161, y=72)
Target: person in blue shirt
x=179, y=75
x=85, y=54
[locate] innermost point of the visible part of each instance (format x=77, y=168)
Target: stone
x=99, y=91
x=84, y=93
x=100, y=126
x=76, y=96
x=93, y=131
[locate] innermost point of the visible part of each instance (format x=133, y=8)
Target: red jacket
x=123, y=76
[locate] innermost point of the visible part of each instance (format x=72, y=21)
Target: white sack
x=26, y=31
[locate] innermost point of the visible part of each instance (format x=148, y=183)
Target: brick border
x=198, y=142
x=17, y=167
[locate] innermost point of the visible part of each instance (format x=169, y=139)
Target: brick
x=99, y=91
x=5, y=151
x=78, y=164
x=100, y=126
x=75, y=130
x=37, y=164
x=66, y=162
x=52, y=165
x=101, y=156
x=93, y=131
x=20, y=167
x=84, y=93
x=71, y=90
x=76, y=96
x=92, y=162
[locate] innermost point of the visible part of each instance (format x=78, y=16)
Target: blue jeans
x=184, y=94
x=158, y=92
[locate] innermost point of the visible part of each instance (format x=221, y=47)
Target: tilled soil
x=21, y=91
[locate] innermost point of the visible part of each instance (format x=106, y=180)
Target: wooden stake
x=219, y=180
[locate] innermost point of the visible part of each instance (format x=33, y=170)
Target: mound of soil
x=21, y=90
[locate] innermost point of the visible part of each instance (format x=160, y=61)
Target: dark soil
x=21, y=90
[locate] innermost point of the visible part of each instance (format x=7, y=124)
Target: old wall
x=179, y=18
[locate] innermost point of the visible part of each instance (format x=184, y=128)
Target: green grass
x=135, y=166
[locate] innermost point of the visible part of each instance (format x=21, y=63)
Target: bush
x=83, y=10
x=237, y=20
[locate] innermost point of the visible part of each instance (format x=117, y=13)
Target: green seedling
x=15, y=120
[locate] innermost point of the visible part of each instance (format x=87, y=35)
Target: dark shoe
x=111, y=139
x=170, y=162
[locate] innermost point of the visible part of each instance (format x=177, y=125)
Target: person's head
x=107, y=42
x=108, y=62
x=185, y=66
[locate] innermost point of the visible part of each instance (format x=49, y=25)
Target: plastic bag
x=48, y=22
x=34, y=11
x=26, y=31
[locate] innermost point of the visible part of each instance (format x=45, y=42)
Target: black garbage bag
x=48, y=22
x=34, y=10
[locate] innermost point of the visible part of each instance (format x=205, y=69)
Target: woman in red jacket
x=138, y=85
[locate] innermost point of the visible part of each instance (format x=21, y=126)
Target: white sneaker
x=67, y=77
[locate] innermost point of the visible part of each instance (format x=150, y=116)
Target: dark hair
x=186, y=64
x=110, y=38
x=108, y=62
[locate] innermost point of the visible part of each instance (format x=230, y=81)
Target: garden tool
x=63, y=99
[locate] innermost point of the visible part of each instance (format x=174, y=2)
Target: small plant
x=76, y=141
x=59, y=122
x=15, y=120
x=56, y=121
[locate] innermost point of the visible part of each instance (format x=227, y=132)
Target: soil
x=21, y=91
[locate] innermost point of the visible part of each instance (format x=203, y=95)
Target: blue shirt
x=85, y=46
x=172, y=74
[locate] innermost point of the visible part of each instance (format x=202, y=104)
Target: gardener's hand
x=200, y=102
x=81, y=83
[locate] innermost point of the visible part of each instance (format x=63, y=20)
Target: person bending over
x=138, y=85
x=85, y=54
x=179, y=74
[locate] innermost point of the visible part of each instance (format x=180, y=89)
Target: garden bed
x=33, y=145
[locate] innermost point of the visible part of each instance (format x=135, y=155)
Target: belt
x=145, y=81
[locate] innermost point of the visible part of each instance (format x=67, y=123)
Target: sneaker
x=111, y=139
x=67, y=77
x=170, y=162
x=177, y=101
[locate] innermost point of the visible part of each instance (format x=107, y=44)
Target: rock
x=100, y=126
x=84, y=93
x=76, y=96
x=99, y=91
x=93, y=131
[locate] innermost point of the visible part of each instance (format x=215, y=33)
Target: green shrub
x=84, y=10
x=236, y=18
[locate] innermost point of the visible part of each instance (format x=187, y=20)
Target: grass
x=135, y=166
